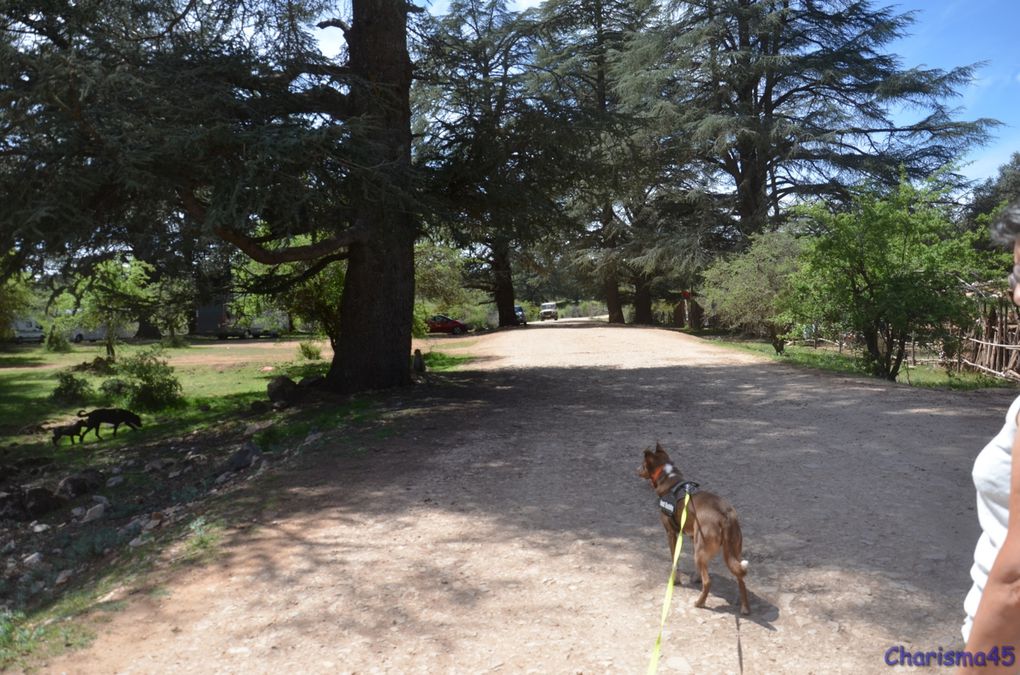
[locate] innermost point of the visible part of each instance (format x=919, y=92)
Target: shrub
x=71, y=389
x=115, y=388
x=174, y=342
x=154, y=385
x=309, y=350
x=56, y=341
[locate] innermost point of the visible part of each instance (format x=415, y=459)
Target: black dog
x=114, y=416
x=69, y=430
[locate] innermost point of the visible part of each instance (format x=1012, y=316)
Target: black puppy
x=114, y=416
x=69, y=430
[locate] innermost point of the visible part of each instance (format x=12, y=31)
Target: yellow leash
x=653, y=664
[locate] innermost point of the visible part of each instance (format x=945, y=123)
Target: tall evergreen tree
x=786, y=99
x=494, y=152
x=580, y=42
x=116, y=113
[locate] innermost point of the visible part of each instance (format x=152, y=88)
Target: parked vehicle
x=80, y=334
x=521, y=318
x=549, y=311
x=444, y=324
x=27, y=330
x=216, y=319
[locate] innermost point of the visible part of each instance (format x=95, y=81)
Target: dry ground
x=493, y=521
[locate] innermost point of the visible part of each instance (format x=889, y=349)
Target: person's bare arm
x=997, y=621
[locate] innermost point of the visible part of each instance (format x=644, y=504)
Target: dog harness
x=668, y=501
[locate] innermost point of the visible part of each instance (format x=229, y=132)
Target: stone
x=39, y=501
x=81, y=483
x=95, y=513
x=32, y=560
x=158, y=464
x=100, y=499
x=312, y=381
x=41, y=527
x=180, y=472
x=259, y=407
x=138, y=541
x=12, y=505
x=223, y=478
x=248, y=455
x=63, y=577
x=114, y=481
x=282, y=388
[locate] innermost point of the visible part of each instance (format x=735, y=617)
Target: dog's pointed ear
x=659, y=450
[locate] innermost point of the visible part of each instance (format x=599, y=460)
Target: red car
x=444, y=324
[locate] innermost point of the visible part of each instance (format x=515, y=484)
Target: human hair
x=1006, y=228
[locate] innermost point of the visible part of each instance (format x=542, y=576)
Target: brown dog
x=711, y=522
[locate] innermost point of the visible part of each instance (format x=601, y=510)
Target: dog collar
x=657, y=474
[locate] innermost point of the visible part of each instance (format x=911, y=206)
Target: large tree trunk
x=374, y=348
x=643, y=302
x=503, y=284
x=613, y=302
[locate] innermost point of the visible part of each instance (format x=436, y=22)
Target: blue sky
x=950, y=33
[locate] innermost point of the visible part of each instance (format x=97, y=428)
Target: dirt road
x=492, y=521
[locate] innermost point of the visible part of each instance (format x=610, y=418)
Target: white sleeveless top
x=992, y=480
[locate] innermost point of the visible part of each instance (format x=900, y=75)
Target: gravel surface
x=493, y=521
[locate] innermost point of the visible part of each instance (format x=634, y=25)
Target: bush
x=174, y=342
x=154, y=385
x=309, y=350
x=71, y=389
x=115, y=388
x=56, y=341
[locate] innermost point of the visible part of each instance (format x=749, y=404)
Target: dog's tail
x=743, y=565
x=732, y=546
x=82, y=413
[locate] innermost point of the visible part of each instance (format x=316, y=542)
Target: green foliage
x=309, y=350
x=440, y=362
x=17, y=637
x=752, y=290
x=152, y=381
x=71, y=389
x=15, y=299
x=56, y=340
x=890, y=269
x=115, y=294
x=115, y=388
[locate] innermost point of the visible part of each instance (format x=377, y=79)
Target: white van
x=28, y=330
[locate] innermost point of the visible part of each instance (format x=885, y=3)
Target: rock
x=41, y=527
x=32, y=560
x=282, y=388
x=312, y=381
x=180, y=472
x=12, y=505
x=223, y=478
x=7, y=471
x=82, y=483
x=281, y=405
x=100, y=499
x=312, y=437
x=63, y=577
x=158, y=464
x=9, y=547
x=39, y=501
x=266, y=369
x=138, y=541
x=259, y=407
x=196, y=458
x=248, y=454
x=114, y=481
x=95, y=513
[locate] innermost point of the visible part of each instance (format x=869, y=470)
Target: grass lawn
x=217, y=377
x=829, y=359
